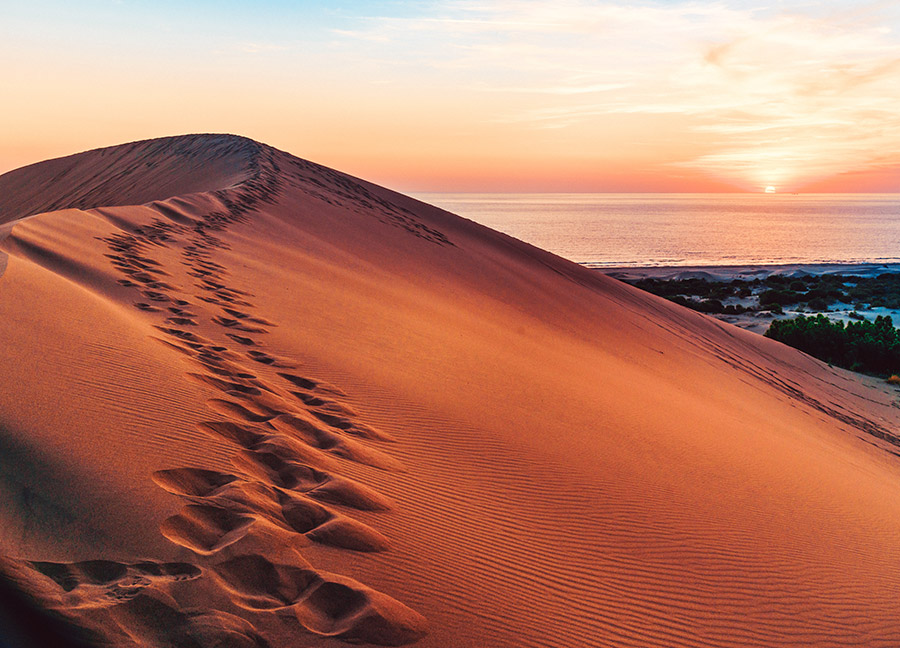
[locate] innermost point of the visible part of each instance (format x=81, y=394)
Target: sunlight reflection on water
x=692, y=229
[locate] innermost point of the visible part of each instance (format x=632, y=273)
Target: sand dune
x=247, y=400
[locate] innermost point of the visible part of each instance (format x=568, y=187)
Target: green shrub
x=872, y=347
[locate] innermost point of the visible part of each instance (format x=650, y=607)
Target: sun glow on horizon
x=579, y=95
x=770, y=189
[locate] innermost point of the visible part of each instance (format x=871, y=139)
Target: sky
x=458, y=95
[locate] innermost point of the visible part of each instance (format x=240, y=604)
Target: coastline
x=745, y=272
x=759, y=321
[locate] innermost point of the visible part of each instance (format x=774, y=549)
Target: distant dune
x=250, y=401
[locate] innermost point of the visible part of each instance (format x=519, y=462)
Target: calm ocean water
x=601, y=230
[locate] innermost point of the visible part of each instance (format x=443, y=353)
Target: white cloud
x=809, y=91
x=257, y=48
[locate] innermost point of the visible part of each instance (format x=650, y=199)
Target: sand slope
x=250, y=401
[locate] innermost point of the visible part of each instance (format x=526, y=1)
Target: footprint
x=192, y=482
x=313, y=385
x=302, y=515
x=333, y=443
x=271, y=360
x=306, y=430
x=347, y=533
x=248, y=317
x=227, y=386
x=238, y=411
x=312, y=400
x=268, y=402
x=159, y=285
x=346, y=492
x=154, y=619
x=261, y=584
x=339, y=422
x=156, y=296
x=310, y=475
x=205, y=528
x=147, y=307
x=243, y=435
x=104, y=583
x=343, y=608
x=181, y=334
x=325, y=604
x=303, y=473
x=240, y=339
x=299, y=381
x=237, y=325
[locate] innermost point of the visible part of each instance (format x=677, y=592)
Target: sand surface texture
x=249, y=401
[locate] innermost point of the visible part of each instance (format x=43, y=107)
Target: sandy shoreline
x=758, y=322
x=748, y=272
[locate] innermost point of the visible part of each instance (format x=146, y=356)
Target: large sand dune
x=249, y=401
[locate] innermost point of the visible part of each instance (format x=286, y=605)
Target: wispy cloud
x=257, y=48
x=779, y=96
x=574, y=89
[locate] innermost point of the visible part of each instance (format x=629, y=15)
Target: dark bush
x=783, y=297
x=883, y=290
x=710, y=306
x=872, y=347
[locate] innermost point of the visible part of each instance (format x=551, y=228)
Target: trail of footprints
x=336, y=189
x=127, y=604
x=103, y=583
x=290, y=434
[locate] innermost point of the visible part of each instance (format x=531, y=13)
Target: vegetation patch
x=870, y=347
x=815, y=293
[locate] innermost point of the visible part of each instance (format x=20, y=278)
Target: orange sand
x=249, y=401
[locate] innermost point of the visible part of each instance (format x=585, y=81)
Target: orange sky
x=454, y=95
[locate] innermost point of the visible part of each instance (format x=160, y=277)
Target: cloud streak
x=776, y=97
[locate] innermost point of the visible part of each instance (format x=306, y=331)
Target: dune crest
x=252, y=401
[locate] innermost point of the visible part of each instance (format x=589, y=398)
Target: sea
x=663, y=230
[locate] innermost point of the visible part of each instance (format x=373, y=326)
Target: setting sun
x=770, y=189
x=536, y=96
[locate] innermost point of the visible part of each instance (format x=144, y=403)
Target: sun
x=770, y=189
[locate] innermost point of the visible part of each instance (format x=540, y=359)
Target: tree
x=872, y=347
